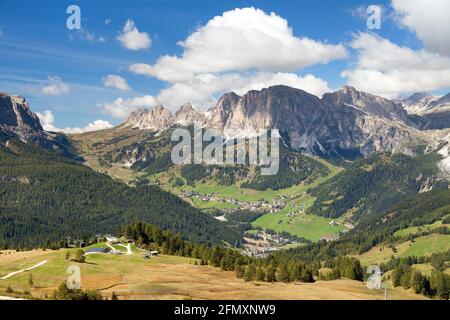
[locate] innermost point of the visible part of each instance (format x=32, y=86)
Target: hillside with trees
x=45, y=198
x=372, y=185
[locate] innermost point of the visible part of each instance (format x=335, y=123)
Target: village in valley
x=259, y=242
x=274, y=206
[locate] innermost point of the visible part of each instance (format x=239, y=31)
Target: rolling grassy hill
x=420, y=247
x=167, y=277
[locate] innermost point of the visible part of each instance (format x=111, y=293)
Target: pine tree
x=307, y=276
x=239, y=270
x=417, y=281
x=283, y=273
x=260, y=274
x=250, y=273
x=271, y=274
x=441, y=284
x=30, y=280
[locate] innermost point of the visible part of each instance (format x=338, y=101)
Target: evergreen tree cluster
x=45, y=198
x=271, y=269
x=437, y=285
x=372, y=185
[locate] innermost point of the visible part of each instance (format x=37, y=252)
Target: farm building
x=149, y=254
x=112, y=239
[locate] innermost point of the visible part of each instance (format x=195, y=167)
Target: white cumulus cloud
x=241, y=49
x=114, y=81
x=55, y=86
x=244, y=39
x=121, y=108
x=47, y=120
x=388, y=69
x=132, y=39
x=428, y=19
x=202, y=90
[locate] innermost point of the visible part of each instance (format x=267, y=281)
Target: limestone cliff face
x=187, y=115
x=372, y=104
x=157, y=119
x=16, y=115
x=218, y=116
x=18, y=122
x=346, y=123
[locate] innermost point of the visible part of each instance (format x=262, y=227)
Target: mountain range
x=340, y=126
x=343, y=124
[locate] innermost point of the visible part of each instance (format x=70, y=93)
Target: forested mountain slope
x=149, y=154
x=372, y=185
x=45, y=198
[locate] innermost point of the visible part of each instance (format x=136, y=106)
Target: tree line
x=271, y=269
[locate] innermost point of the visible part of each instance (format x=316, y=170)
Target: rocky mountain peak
x=18, y=122
x=187, y=107
x=158, y=118
x=417, y=103
x=366, y=102
x=417, y=97
x=219, y=114
x=187, y=115
x=346, y=123
x=16, y=115
x=159, y=108
x=444, y=100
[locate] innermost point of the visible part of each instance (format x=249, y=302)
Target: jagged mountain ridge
x=428, y=112
x=345, y=124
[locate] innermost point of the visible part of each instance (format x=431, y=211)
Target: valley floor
x=167, y=277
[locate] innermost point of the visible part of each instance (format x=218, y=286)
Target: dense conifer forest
x=372, y=185
x=45, y=198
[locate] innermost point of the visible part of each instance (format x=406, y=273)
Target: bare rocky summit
x=346, y=123
x=18, y=122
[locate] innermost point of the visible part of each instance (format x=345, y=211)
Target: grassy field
x=422, y=246
x=307, y=226
x=413, y=230
x=168, y=277
x=303, y=225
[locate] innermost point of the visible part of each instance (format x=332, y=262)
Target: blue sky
x=37, y=50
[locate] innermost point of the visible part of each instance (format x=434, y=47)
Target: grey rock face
x=367, y=102
x=157, y=119
x=346, y=123
x=187, y=115
x=428, y=112
x=16, y=115
x=219, y=114
x=160, y=118
x=18, y=122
